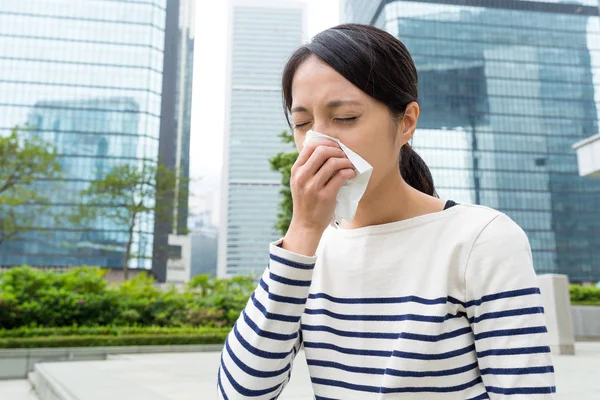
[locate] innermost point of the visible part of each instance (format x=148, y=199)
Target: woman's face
x=324, y=101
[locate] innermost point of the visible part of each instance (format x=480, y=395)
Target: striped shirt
x=441, y=306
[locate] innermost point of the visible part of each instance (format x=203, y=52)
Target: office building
x=106, y=83
x=205, y=239
x=262, y=34
x=506, y=87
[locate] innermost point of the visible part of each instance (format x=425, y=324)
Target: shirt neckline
x=391, y=227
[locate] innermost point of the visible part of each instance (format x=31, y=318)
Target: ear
x=409, y=122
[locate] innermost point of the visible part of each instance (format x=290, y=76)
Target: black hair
x=378, y=64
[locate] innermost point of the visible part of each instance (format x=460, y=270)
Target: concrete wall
x=586, y=322
x=16, y=363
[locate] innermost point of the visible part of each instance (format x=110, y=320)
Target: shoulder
x=485, y=223
x=494, y=226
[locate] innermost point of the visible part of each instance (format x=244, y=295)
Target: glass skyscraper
x=506, y=87
x=262, y=36
x=107, y=83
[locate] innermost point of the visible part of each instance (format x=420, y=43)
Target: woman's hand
x=317, y=176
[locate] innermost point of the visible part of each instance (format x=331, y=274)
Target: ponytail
x=415, y=172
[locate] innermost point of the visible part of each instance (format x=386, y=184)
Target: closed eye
x=298, y=126
x=348, y=120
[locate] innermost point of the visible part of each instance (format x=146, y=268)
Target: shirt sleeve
x=504, y=307
x=257, y=358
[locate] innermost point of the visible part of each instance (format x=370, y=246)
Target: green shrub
x=585, y=295
x=25, y=332
x=82, y=297
x=217, y=337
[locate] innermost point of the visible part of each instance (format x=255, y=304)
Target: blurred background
x=142, y=139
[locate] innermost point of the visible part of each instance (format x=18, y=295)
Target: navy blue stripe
x=220, y=386
x=323, y=398
x=288, y=281
x=522, y=390
x=242, y=390
x=387, y=354
x=376, y=389
x=281, y=299
x=270, y=315
x=267, y=334
x=257, y=352
x=439, y=356
x=549, y=369
x=454, y=300
x=344, y=350
x=511, y=332
x=482, y=396
x=436, y=338
x=402, y=317
x=421, y=300
x=507, y=313
x=503, y=295
x=514, y=351
x=380, y=300
x=390, y=371
x=251, y=371
x=292, y=264
x=386, y=335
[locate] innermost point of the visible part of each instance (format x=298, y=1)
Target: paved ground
x=16, y=390
x=186, y=376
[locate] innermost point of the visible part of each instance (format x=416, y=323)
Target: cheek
x=298, y=141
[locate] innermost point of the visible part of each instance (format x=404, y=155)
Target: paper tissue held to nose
x=353, y=189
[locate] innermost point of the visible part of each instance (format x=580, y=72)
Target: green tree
x=125, y=196
x=283, y=163
x=27, y=163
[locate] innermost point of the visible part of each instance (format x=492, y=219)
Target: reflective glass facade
x=88, y=77
x=262, y=35
x=506, y=87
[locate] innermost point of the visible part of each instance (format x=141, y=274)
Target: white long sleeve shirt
x=441, y=306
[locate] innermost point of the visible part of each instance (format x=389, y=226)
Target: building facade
x=262, y=35
x=107, y=83
x=505, y=88
x=205, y=244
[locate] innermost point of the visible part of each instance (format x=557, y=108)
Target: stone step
x=85, y=381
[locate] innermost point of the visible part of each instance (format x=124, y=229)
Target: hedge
x=82, y=297
x=109, y=336
x=25, y=332
x=585, y=295
x=107, y=340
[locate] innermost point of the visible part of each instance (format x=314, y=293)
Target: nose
x=322, y=127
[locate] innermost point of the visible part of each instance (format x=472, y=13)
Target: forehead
x=314, y=80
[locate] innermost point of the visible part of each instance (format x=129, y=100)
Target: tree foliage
x=26, y=162
x=125, y=196
x=283, y=163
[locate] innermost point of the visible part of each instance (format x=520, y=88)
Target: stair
x=86, y=381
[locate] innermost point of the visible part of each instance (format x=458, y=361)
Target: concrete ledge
x=75, y=381
x=586, y=322
x=17, y=363
x=557, y=310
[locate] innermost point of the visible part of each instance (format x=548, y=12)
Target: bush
x=217, y=337
x=82, y=297
x=585, y=295
x=25, y=332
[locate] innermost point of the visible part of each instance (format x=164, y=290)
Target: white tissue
x=353, y=189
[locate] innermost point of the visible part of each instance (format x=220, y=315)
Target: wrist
x=302, y=240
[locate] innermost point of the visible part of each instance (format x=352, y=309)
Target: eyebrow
x=331, y=104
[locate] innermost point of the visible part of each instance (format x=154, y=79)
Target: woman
x=415, y=298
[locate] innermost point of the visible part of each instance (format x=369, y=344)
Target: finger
x=331, y=168
x=334, y=185
x=319, y=157
x=310, y=147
